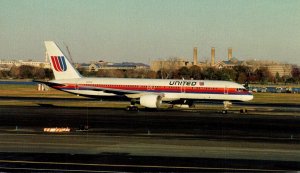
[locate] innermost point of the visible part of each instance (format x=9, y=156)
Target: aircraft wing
x=127, y=93
x=50, y=84
x=110, y=90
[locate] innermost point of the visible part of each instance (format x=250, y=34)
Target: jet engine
x=151, y=101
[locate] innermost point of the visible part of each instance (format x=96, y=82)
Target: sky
x=145, y=30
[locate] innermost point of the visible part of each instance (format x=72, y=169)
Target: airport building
x=7, y=64
x=5, y=67
x=281, y=69
x=273, y=67
x=101, y=65
x=229, y=64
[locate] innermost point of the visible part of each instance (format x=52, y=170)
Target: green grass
x=31, y=91
x=276, y=85
x=276, y=98
x=11, y=86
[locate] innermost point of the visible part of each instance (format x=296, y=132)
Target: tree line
x=26, y=72
x=240, y=74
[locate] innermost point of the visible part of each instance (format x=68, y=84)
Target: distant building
x=230, y=63
x=281, y=69
x=95, y=66
x=5, y=67
x=273, y=67
x=18, y=63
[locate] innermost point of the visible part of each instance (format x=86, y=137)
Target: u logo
x=59, y=63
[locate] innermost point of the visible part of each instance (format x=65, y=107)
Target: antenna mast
x=69, y=53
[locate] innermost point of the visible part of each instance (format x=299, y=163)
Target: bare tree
x=14, y=72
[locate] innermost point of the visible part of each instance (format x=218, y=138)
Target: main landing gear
x=182, y=104
x=132, y=106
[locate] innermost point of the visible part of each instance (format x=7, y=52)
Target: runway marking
x=141, y=136
x=154, y=146
x=136, y=166
x=65, y=170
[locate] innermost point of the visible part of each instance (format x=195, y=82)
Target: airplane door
x=76, y=88
x=226, y=90
x=76, y=85
x=182, y=88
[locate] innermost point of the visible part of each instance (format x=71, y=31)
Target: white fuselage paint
x=169, y=89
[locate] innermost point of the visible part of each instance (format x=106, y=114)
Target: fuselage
x=169, y=89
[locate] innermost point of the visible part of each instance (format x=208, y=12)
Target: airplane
x=149, y=92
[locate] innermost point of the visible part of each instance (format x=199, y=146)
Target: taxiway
x=163, y=140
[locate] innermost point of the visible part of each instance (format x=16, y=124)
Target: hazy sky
x=143, y=30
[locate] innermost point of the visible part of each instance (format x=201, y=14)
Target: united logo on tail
x=59, y=63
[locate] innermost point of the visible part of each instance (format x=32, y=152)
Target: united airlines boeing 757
x=149, y=92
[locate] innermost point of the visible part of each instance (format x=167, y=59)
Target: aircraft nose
x=250, y=96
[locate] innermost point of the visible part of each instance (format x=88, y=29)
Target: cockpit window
x=241, y=89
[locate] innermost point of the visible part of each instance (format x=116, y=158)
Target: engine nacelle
x=150, y=101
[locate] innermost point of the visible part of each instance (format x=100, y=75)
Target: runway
x=147, y=141
x=193, y=123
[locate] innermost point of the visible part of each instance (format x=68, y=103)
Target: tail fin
x=60, y=65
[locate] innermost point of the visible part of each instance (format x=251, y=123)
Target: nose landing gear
x=227, y=105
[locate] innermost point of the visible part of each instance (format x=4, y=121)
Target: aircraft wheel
x=224, y=111
x=135, y=108
x=128, y=108
x=243, y=111
x=171, y=106
x=132, y=108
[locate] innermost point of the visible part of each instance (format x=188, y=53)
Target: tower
x=229, y=54
x=195, y=56
x=212, y=56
